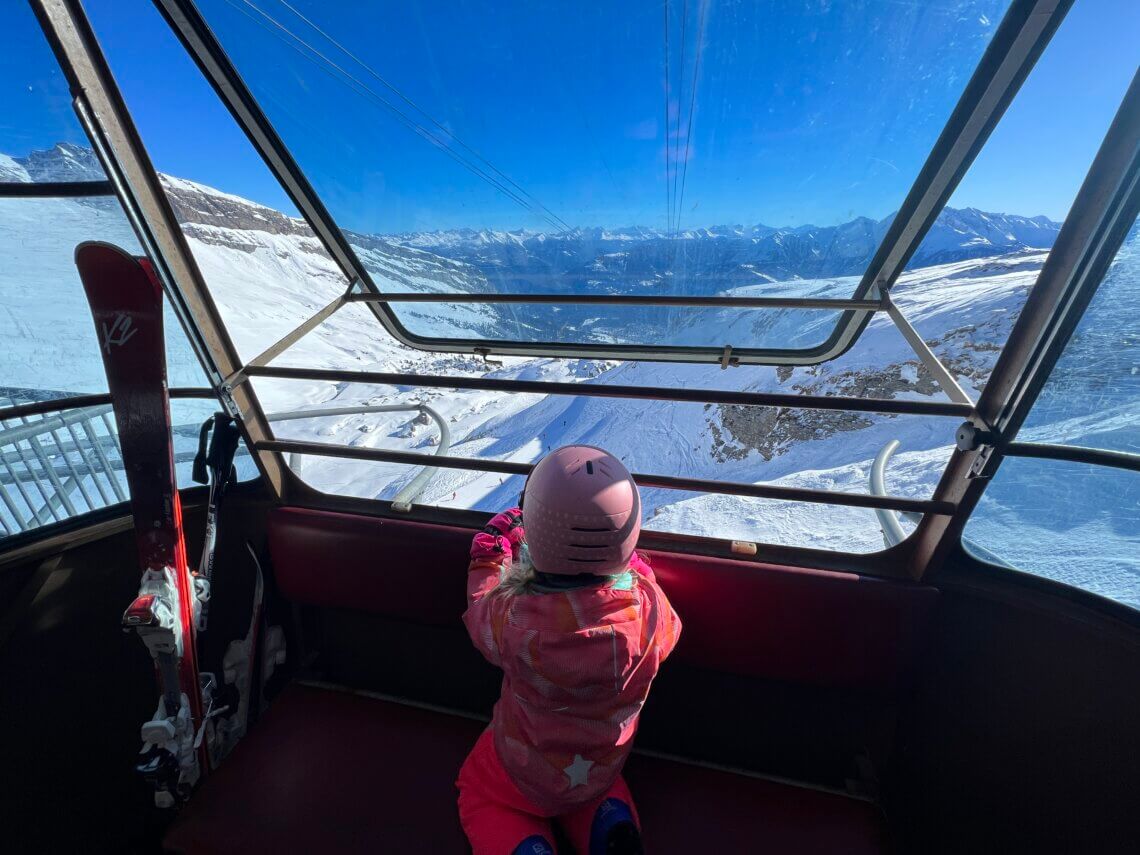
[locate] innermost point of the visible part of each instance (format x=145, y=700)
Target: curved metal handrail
x=892, y=529
x=889, y=520
x=403, y=500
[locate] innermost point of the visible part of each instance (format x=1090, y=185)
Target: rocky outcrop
x=195, y=203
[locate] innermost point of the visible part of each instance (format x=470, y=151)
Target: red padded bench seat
x=817, y=627
x=331, y=771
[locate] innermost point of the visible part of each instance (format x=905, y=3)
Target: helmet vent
x=589, y=545
x=589, y=467
x=586, y=560
x=579, y=528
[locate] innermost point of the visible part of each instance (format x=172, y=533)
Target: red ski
x=126, y=302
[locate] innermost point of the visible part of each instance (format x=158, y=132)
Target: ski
x=126, y=303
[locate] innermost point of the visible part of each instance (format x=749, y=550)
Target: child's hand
x=502, y=535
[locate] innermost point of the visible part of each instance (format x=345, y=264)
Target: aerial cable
x=368, y=93
x=692, y=103
x=680, y=99
x=668, y=194
x=365, y=92
x=370, y=70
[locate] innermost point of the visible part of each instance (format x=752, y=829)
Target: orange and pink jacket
x=577, y=666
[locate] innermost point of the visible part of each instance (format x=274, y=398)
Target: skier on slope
x=578, y=624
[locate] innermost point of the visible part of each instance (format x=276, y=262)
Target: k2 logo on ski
x=119, y=333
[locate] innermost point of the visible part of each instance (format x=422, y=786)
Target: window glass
x=589, y=148
x=795, y=448
x=1070, y=522
x=264, y=267
x=49, y=345
x=61, y=465
x=966, y=284
x=1079, y=523
x=638, y=148
x=40, y=137
x=1092, y=398
x=690, y=326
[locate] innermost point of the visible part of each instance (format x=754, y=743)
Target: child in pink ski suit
x=578, y=624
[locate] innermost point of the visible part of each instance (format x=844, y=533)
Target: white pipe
x=403, y=500
x=892, y=530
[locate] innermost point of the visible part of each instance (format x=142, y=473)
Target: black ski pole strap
x=217, y=461
x=223, y=446
x=199, y=474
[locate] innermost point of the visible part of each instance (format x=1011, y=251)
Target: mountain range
x=604, y=260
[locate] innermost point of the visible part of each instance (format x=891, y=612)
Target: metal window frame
x=1088, y=241
x=1073, y=454
x=1019, y=40
x=111, y=130
x=1104, y=210
x=76, y=402
x=612, y=390
x=55, y=189
x=668, y=482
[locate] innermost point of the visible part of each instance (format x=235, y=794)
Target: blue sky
x=817, y=115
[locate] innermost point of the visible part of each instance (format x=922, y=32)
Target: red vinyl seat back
x=761, y=620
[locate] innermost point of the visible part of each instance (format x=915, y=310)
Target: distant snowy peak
x=954, y=226
x=61, y=162
x=722, y=257
x=12, y=171
x=961, y=233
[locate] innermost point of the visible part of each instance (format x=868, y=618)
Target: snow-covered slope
x=268, y=273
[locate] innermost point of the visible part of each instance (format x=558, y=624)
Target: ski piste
x=126, y=303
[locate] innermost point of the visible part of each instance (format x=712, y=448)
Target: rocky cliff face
x=198, y=204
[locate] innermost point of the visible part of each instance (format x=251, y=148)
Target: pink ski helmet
x=582, y=512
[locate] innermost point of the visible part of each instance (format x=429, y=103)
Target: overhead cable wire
x=368, y=93
x=665, y=130
x=692, y=103
x=365, y=91
x=680, y=100
x=450, y=133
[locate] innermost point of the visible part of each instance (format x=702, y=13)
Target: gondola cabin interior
x=888, y=465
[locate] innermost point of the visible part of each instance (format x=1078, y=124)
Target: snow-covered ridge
x=62, y=162
x=733, y=254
